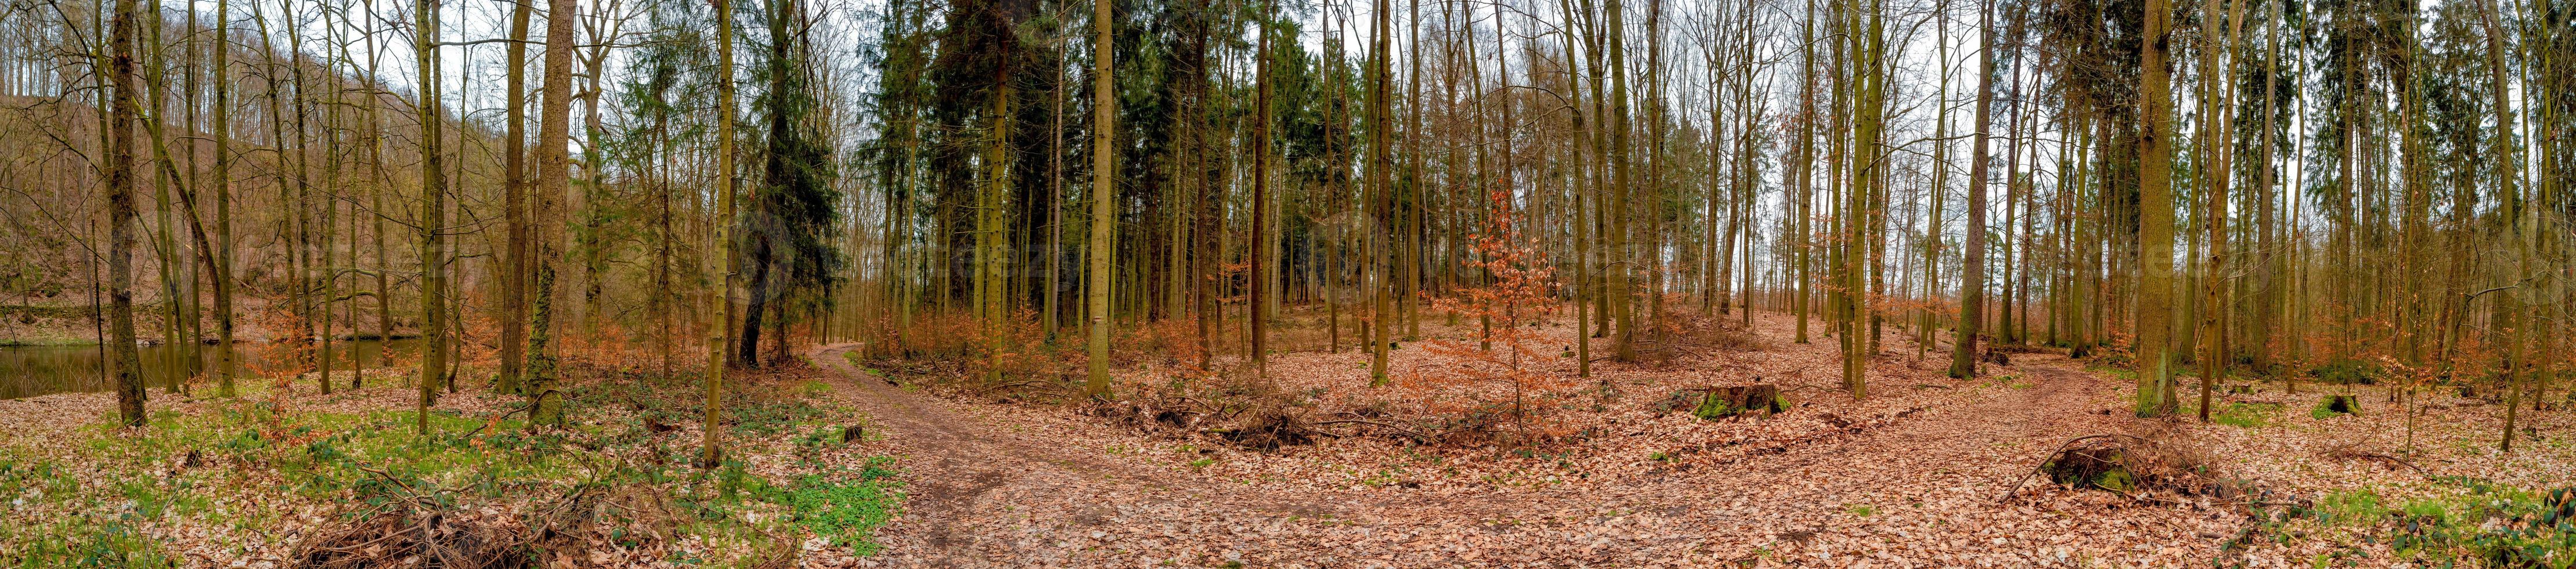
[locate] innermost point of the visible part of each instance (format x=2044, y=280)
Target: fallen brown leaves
x=1905, y=479
x=1908, y=478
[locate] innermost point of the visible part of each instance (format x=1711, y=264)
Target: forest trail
x=1918, y=487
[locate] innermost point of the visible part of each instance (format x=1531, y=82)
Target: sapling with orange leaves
x=1508, y=355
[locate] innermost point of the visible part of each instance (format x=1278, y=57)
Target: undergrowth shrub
x=2489, y=525
x=1681, y=332
x=846, y=507
x=2347, y=372
x=1508, y=359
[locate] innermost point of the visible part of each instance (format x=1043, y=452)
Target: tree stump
x=2334, y=405
x=853, y=433
x=1729, y=401
x=2099, y=466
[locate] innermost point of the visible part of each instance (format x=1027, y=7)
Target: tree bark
x=554, y=170
x=1103, y=215
x=720, y=246
x=433, y=211
x=117, y=164
x=2155, y=218
x=1972, y=263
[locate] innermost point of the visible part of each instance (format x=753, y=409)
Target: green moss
x=2245, y=415
x=1712, y=408
x=2333, y=405
x=2116, y=480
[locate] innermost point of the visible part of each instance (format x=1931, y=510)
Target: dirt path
x=1919, y=489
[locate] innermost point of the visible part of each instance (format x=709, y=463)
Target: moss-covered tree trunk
x=719, y=248
x=433, y=211
x=554, y=180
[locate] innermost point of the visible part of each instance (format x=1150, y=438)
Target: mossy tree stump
x=2103, y=467
x=1729, y=401
x=2334, y=405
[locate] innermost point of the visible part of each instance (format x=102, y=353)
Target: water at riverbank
x=27, y=371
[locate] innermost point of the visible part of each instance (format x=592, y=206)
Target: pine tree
x=1103, y=214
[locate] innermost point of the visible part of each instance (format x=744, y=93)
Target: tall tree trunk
x=989, y=231
x=433, y=211
x=118, y=171
x=165, y=246
x=2155, y=218
x=516, y=228
x=222, y=266
x=1050, y=314
x=1623, y=259
x=2218, y=131
x=554, y=171
x=2508, y=175
x=1258, y=291
x=1413, y=158
x=1584, y=206
x=1103, y=215
x=1940, y=180
x=1972, y=263
x=1382, y=182
x=1868, y=47
x=720, y=246
x=1806, y=167
x=376, y=201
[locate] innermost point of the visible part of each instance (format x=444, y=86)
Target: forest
x=1287, y=283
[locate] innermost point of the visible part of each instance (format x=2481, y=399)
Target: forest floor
x=1927, y=471
x=286, y=476
x=1613, y=471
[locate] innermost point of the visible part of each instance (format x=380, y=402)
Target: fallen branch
x=2038, y=468
x=1417, y=435
x=2346, y=452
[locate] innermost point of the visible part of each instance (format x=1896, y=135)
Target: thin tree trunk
x=433, y=211
x=1256, y=296
x=1381, y=181
x=720, y=246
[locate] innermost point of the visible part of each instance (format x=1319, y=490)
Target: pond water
x=27, y=371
